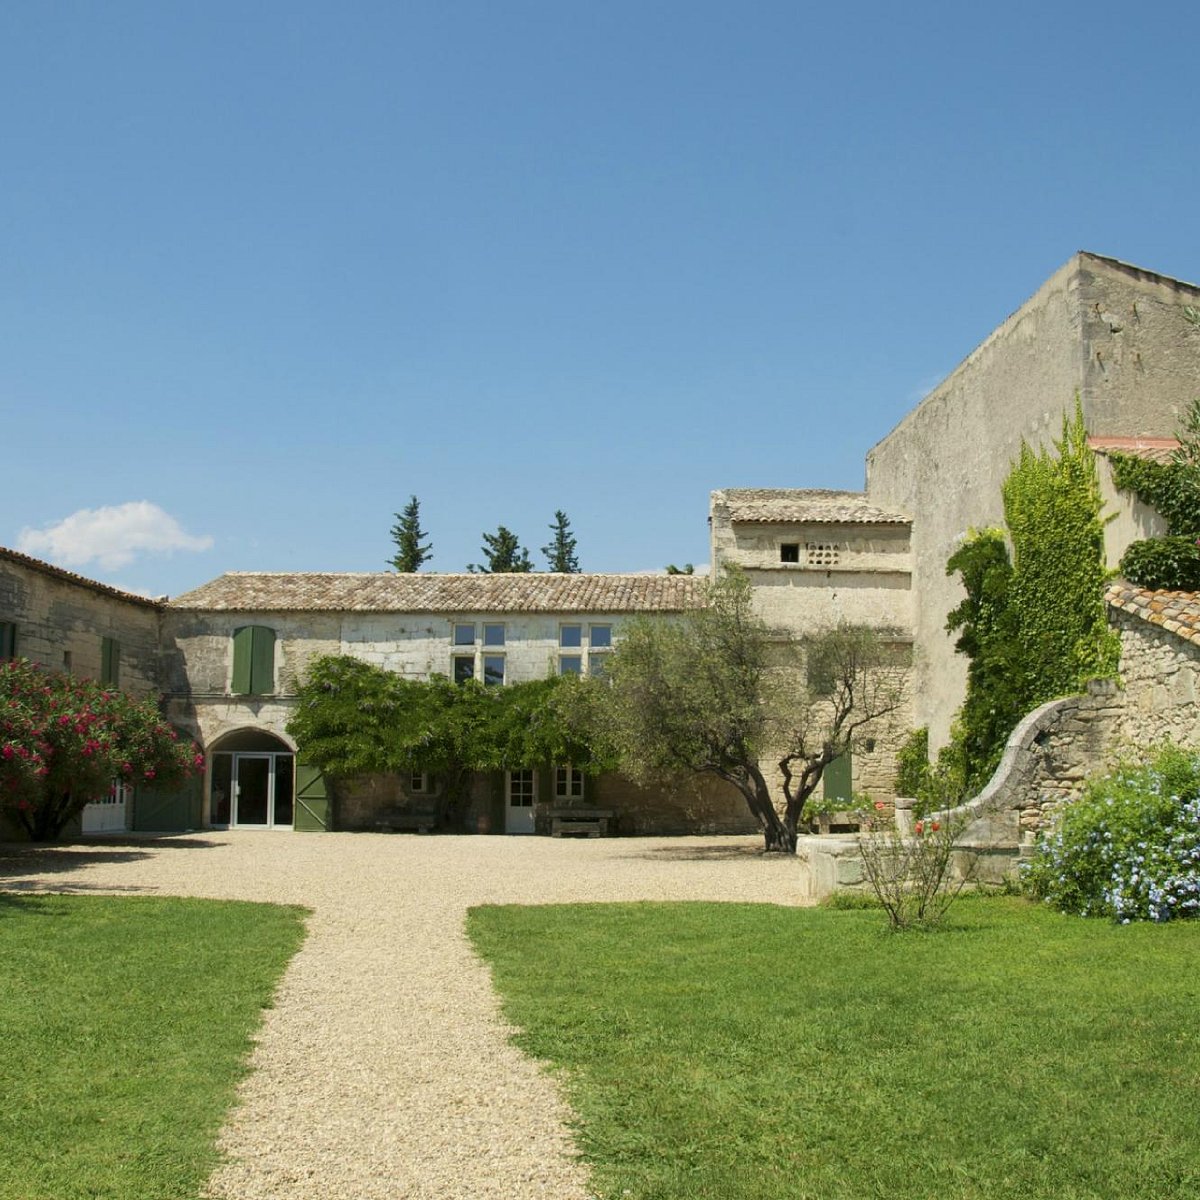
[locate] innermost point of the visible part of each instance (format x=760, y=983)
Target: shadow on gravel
x=26, y=859
x=700, y=853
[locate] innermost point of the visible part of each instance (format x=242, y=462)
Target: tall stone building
x=1126, y=341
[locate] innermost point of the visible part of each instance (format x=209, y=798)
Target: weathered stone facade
x=1118, y=337
x=62, y=619
x=817, y=559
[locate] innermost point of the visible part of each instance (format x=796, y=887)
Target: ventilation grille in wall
x=821, y=554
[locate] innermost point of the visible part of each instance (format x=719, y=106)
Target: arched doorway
x=252, y=781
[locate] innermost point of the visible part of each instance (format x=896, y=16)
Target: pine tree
x=560, y=554
x=504, y=554
x=407, y=534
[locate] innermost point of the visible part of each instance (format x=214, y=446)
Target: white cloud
x=111, y=537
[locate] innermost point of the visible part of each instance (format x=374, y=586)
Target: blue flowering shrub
x=1129, y=848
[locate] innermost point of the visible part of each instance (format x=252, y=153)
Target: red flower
x=935, y=825
x=919, y=827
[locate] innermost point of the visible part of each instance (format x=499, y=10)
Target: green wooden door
x=313, y=811
x=168, y=810
x=838, y=786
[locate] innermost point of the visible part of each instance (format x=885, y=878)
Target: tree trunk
x=777, y=838
x=48, y=819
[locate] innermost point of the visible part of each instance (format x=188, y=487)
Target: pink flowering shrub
x=63, y=741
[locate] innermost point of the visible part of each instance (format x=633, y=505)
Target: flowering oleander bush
x=1129, y=848
x=64, y=741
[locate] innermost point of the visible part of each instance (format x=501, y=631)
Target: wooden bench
x=591, y=822
x=403, y=818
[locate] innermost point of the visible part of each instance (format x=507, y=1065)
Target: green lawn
x=745, y=1051
x=124, y=1028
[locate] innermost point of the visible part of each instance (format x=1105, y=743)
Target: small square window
x=418, y=783
x=493, y=670
x=789, y=552
x=570, y=664
x=600, y=637
x=464, y=668
x=493, y=635
x=464, y=635
x=570, y=636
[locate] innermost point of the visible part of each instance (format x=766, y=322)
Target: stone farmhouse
x=226, y=658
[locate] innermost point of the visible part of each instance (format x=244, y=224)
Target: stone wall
x=1112, y=333
x=61, y=620
x=1160, y=672
x=1046, y=761
x=199, y=645
x=686, y=804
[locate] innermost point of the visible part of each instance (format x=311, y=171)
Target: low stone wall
x=688, y=804
x=1048, y=757
x=1160, y=671
x=834, y=864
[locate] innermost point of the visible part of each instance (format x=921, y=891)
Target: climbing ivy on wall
x=1052, y=509
x=1032, y=626
x=989, y=637
x=1173, y=488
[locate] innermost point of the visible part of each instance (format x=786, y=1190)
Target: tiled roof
x=387, y=592
x=1177, y=612
x=45, y=568
x=1157, y=450
x=805, y=506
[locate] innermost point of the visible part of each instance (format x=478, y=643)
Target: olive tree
x=716, y=691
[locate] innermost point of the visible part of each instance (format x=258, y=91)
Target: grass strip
x=125, y=1025
x=734, y=1052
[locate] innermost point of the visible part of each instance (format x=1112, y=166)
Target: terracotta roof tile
x=1177, y=612
x=426, y=592
x=1157, y=450
x=799, y=506
x=45, y=568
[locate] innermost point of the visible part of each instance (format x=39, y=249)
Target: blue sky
x=271, y=268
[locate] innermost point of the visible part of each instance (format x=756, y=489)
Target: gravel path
x=384, y=1069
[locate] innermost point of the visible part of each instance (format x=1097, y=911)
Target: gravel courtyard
x=384, y=1069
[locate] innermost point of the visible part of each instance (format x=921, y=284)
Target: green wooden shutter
x=243, y=643
x=262, y=661
x=312, y=813
x=110, y=662
x=8, y=639
x=838, y=782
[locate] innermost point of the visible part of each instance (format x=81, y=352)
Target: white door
x=521, y=796
x=106, y=815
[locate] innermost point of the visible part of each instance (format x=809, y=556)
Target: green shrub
x=912, y=763
x=1129, y=848
x=1168, y=562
